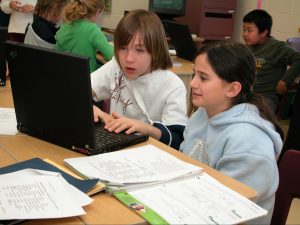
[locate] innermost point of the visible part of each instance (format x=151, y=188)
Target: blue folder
x=37, y=163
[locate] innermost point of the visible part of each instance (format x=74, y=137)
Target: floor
x=294, y=215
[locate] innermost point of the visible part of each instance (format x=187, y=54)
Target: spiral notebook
x=164, y=189
x=197, y=199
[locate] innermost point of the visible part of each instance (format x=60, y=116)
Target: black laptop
x=3, y=38
x=53, y=100
x=181, y=39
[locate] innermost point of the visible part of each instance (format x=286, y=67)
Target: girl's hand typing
x=119, y=124
x=99, y=114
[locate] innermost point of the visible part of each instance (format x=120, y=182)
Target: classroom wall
x=111, y=20
x=285, y=14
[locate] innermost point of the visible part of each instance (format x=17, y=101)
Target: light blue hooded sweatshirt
x=241, y=144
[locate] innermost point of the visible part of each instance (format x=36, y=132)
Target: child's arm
x=170, y=135
x=291, y=57
x=101, y=44
x=8, y=6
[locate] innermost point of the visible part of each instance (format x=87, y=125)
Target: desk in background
x=184, y=69
x=105, y=209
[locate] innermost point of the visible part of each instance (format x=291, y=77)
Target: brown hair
x=79, y=9
x=49, y=7
x=152, y=35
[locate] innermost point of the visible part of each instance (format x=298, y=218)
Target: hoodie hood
x=247, y=114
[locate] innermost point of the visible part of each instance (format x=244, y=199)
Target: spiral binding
x=130, y=188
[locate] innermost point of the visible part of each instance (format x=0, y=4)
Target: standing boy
x=272, y=58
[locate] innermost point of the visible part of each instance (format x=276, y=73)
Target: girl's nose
x=193, y=82
x=129, y=55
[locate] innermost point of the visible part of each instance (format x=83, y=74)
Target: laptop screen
x=52, y=94
x=181, y=39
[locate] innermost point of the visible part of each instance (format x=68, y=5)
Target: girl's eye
x=140, y=50
x=200, y=76
x=203, y=78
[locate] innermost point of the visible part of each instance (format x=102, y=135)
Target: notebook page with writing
x=132, y=166
x=89, y=186
x=196, y=200
x=36, y=194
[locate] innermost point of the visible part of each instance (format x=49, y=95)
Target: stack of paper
x=36, y=194
x=88, y=186
x=132, y=167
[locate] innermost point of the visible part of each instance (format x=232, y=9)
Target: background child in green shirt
x=81, y=35
x=272, y=58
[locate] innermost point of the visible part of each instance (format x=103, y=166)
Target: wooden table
x=105, y=209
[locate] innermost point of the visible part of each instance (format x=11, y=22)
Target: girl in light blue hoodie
x=232, y=131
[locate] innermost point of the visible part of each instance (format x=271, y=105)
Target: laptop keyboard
x=105, y=138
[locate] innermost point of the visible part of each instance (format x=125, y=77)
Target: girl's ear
x=234, y=89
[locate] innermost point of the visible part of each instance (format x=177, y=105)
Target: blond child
x=81, y=35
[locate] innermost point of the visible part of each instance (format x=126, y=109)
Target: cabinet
x=210, y=19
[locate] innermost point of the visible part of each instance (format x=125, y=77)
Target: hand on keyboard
x=103, y=116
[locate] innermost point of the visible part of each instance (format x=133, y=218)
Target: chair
x=292, y=140
x=294, y=42
x=289, y=186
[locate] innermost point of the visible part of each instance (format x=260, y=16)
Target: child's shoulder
x=85, y=24
x=164, y=73
x=166, y=76
x=274, y=43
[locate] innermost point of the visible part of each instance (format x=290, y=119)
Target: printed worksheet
x=132, y=166
x=35, y=194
